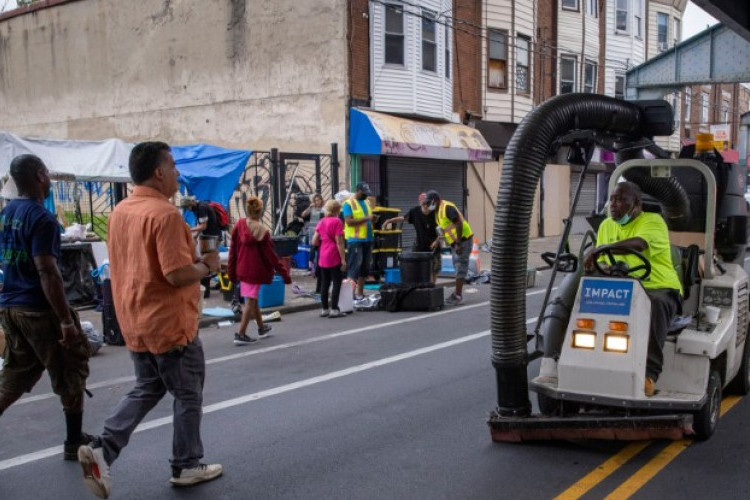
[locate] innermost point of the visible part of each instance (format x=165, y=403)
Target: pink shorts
x=249, y=290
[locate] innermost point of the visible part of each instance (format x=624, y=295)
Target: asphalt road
x=374, y=405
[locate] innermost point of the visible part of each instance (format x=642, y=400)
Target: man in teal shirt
x=629, y=228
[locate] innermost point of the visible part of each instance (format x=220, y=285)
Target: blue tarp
x=210, y=172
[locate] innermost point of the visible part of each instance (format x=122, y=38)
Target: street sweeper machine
x=593, y=330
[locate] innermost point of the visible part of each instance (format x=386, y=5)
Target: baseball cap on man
x=365, y=188
x=432, y=196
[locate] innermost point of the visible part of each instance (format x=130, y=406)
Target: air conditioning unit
x=663, y=46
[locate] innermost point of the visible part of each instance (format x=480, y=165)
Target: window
x=589, y=77
x=567, y=74
x=704, y=107
x=394, y=34
x=447, y=42
x=522, y=65
x=621, y=15
x=676, y=34
x=724, y=111
x=620, y=86
x=637, y=18
x=570, y=4
x=688, y=105
x=662, y=31
x=592, y=8
x=497, y=66
x=429, y=41
x=676, y=110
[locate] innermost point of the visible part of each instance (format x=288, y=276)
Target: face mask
x=432, y=207
x=623, y=220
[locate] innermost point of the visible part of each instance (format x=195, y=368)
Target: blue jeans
x=358, y=254
x=180, y=372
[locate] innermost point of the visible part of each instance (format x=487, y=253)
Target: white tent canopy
x=86, y=160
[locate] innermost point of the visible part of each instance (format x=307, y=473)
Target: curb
x=208, y=321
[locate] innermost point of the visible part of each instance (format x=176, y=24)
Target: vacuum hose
x=525, y=159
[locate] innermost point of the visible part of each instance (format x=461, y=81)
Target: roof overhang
x=372, y=133
x=735, y=14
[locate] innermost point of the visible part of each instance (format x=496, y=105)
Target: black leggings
x=327, y=276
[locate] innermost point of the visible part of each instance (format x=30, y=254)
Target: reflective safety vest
x=444, y=222
x=359, y=231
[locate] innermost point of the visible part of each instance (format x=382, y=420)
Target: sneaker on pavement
x=95, y=470
x=198, y=474
x=264, y=332
x=243, y=339
x=358, y=297
x=70, y=450
x=454, y=300
x=335, y=313
x=324, y=313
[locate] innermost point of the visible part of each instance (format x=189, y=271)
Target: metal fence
x=270, y=175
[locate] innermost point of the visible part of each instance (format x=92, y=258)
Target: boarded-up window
x=497, y=65
x=394, y=34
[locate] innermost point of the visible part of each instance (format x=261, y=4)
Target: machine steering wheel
x=618, y=268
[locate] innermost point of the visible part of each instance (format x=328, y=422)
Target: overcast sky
x=695, y=20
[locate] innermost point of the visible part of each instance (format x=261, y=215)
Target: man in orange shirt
x=155, y=276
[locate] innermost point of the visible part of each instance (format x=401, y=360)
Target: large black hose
x=525, y=159
x=668, y=190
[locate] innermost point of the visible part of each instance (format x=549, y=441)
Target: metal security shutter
x=587, y=201
x=407, y=177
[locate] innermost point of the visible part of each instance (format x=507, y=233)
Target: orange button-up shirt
x=149, y=239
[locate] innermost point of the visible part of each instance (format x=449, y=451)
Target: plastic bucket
x=416, y=267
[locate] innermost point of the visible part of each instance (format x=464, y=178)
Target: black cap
x=432, y=196
x=365, y=188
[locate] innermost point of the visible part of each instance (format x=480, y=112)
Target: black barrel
x=416, y=268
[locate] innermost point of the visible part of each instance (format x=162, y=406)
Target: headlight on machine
x=616, y=342
x=584, y=340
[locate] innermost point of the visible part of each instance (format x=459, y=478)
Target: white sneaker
x=198, y=474
x=454, y=300
x=324, y=313
x=547, y=372
x=95, y=470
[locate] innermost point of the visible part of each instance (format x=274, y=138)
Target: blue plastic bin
x=393, y=275
x=272, y=295
x=302, y=257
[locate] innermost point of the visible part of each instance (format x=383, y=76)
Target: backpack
x=222, y=217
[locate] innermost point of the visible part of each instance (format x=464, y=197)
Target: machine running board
x=538, y=427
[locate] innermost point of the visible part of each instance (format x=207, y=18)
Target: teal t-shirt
x=651, y=228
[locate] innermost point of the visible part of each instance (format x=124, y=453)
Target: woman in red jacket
x=252, y=261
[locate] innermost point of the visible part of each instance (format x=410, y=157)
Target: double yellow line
x=640, y=477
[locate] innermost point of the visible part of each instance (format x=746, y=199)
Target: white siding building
x=625, y=41
x=578, y=46
x=410, y=58
x=507, y=73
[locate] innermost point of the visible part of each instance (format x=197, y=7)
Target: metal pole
x=275, y=182
x=334, y=168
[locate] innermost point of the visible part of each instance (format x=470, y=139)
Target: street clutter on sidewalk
x=299, y=296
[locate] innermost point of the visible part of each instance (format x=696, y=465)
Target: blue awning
x=372, y=133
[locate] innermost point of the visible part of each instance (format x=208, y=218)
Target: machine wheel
x=740, y=384
x=551, y=407
x=706, y=419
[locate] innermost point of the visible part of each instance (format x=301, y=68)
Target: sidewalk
x=302, y=279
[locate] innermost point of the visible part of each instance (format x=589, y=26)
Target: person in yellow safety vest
x=458, y=235
x=358, y=235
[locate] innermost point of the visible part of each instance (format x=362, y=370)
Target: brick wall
x=467, y=58
x=359, y=51
x=545, y=53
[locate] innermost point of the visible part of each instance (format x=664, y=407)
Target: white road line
x=255, y=352
x=230, y=403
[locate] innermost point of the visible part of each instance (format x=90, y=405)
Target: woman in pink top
x=329, y=235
